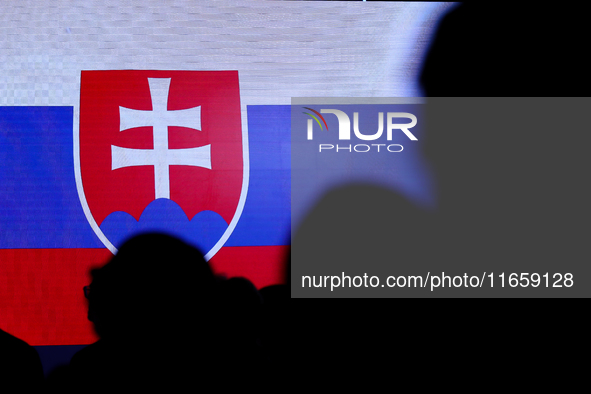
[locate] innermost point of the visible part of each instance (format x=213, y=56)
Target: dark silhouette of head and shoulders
x=509, y=177
x=153, y=307
x=20, y=365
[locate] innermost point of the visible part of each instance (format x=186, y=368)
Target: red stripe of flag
x=41, y=297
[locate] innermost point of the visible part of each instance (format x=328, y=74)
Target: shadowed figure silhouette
x=239, y=353
x=20, y=366
x=512, y=197
x=153, y=307
x=484, y=49
x=276, y=306
x=357, y=230
x=510, y=173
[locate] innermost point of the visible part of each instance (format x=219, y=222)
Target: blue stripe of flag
x=39, y=204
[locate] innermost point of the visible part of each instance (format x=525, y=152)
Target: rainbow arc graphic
x=316, y=119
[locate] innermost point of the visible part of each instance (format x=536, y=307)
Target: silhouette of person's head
x=485, y=49
x=359, y=230
x=152, y=305
x=508, y=170
x=155, y=283
x=508, y=175
x=240, y=308
x=20, y=365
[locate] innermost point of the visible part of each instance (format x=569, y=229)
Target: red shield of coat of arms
x=172, y=137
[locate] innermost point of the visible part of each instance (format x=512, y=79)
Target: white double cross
x=161, y=157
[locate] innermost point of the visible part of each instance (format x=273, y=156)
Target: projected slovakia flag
x=154, y=151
